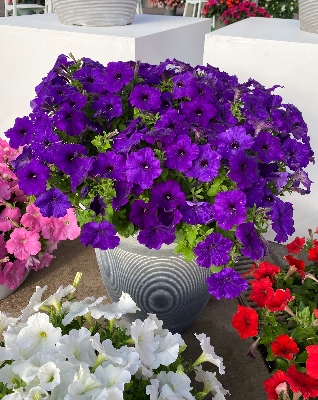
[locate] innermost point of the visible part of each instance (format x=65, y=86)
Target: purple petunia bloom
x=297, y=154
x=118, y=74
x=53, y=203
x=21, y=133
x=92, y=77
x=214, y=250
x=169, y=218
x=268, y=147
x=181, y=153
x=282, y=220
x=108, y=106
x=98, y=205
x=229, y=208
x=227, y=283
x=70, y=120
x=172, y=121
x=252, y=245
x=143, y=214
x=143, y=167
x=99, y=235
x=23, y=159
x=167, y=195
x=184, y=85
x=122, y=189
x=198, y=111
x=33, y=177
x=145, y=97
x=196, y=213
x=206, y=166
x=45, y=145
x=244, y=170
x=156, y=236
x=233, y=141
x=109, y=165
x=300, y=177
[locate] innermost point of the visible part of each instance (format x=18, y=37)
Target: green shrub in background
x=280, y=8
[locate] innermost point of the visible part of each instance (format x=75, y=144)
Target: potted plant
x=245, y=9
x=215, y=8
x=27, y=239
x=286, y=321
x=280, y=8
x=170, y=6
x=63, y=348
x=185, y=160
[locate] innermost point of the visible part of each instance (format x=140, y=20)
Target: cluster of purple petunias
x=183, y=147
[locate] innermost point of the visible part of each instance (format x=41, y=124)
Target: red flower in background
x=266, y=269
x=313, y=254
x=245, y=321
x=271, y=385
x=262, y=291
x=279, y=301
x=284, y=346
x=298, y=264
x=312, y=361
x=302, y=383
x=296, y=245
x=316, y=312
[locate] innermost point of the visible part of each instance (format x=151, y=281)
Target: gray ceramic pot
x=159, y=281
x=308, y=15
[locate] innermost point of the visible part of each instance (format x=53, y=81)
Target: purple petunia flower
x=214, y=250
x=21, y=133
x=45, y=145
x=233, y=141
x=92, y=77
x=252, y=245
x=70, y=120
x=143, y=214
x=300, y=177
x=108, y=106
x=181, y=153
x=23, y=159
x=109, y=165
x=254, y=194
x=99, y=235
x=33, y=177
x=118, y=74
x=196, y=213
x=53, y=203
x=198, y=111
x=229, y=208
x=98, y=205
x=167, y=195
x=282, y=220
x=169, y=218
x=244, y=170
x=268, y=147
x=143, y=167
x=145, y=97
x=227, y=283
x=297, y=154
x=156, y=236
x=122, y=189
x=184, y=85
x=206, y=166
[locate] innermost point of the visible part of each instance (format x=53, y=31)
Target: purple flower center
x=118, y=76
x=204, y=163
x=235, y=145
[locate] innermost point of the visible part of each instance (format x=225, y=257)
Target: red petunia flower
x=298, y=264
x=302, y=383
x=245, y=321
x=312, y=361
x=296, y=245
x=313, y=254
x=266, y=269
x=316, y=312
x=262, y=291
x=273, y=384
x=284, y=346
x=279, y=301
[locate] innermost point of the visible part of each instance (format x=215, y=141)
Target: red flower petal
x=312, y=361
x=313, y=254
x=303, y=383
x=245, y=321
x=279, y=301
x=284, y=346
x=296, y=245
x=266, y=269
x=271, y=384
x=298, y=264
x=262, y=291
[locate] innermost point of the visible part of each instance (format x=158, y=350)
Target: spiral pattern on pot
x=96, y=12
x=160, y=282
x=308, y=15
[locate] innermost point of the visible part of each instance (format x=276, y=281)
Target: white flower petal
x=208, y=352
x=79, y=308
x=110, y=311
x=142, y=332
x=168, y=350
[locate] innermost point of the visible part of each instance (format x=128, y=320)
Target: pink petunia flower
x=33, y=219
x=3, y=251
x=5, y=192
x=14, y=273
x=23, y=243
x=8, y=214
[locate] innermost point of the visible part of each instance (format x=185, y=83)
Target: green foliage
x=280, y=8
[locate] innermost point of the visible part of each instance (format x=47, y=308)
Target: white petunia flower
x=14, y=396
x=111, y=394
x=84, y=383
x=153, y=389
x=219, y=395
x=11, y=351
x=106, y=350
x=38, y=336
x=130, y=357
x=208, y=353
x=34, y=302
x=168, y=350
x=76, y=346
x=5, y=321
x=55, y=299
x=173, y=383
x=67, y=375
x=49, y=376
x=8, y=377
x=115, y=310
x=36, y=393
x=209, y=380
x=111, y=376
x=142, y=332
x=79, y=308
